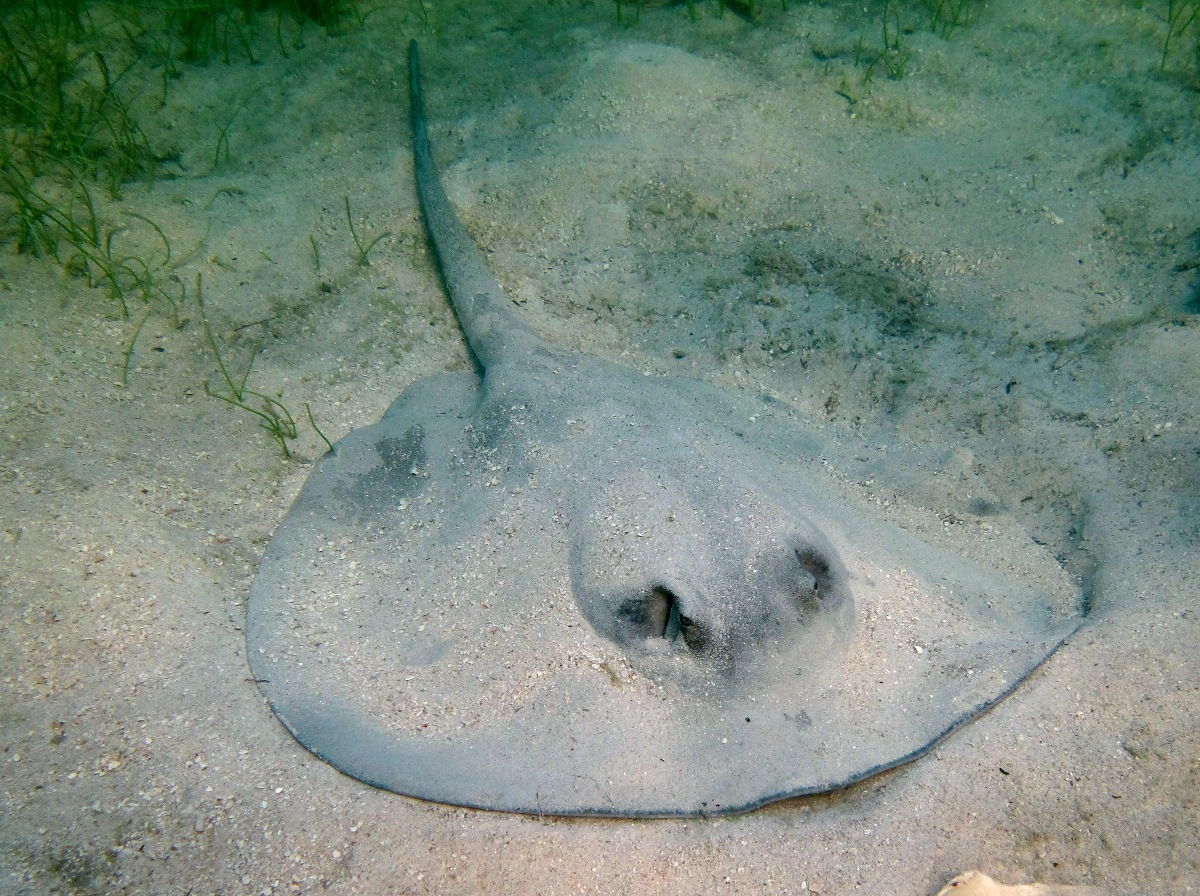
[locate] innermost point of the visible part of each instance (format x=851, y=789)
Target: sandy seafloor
x=997, y=253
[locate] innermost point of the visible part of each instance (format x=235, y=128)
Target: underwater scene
x=581, y=446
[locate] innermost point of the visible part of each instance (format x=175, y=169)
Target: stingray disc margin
x=424, y=640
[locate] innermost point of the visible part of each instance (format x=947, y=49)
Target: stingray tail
x=482, y=308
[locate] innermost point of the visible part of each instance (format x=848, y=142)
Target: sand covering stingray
x=566, y=587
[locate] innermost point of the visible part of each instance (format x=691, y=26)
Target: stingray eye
x=814, y=584
x=651, y=614
x=655, y=616
x=808, y=591
x=694, y=635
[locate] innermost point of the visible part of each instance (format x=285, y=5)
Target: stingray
x=553, y=584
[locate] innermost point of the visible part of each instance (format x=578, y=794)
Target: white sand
x=996, y=253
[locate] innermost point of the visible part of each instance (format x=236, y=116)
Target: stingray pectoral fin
x=445, y=395
x=359, y=746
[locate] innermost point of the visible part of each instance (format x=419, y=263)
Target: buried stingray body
x=566, y=587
